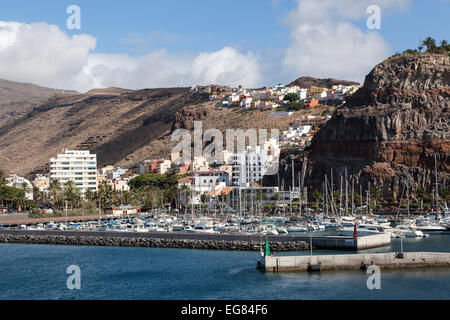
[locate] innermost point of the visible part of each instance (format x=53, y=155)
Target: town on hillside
x=76, y=185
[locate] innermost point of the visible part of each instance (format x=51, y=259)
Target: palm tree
x=2, y=179
x=105, y=194
x=444, y=43
x=317, y=196
x=72, y=194
x=55, y=193
x=430, y=43
x=375, y=193
x=38, y=195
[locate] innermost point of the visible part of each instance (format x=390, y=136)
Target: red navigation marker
x=355, y=232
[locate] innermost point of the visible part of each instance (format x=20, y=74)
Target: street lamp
x=292, y=157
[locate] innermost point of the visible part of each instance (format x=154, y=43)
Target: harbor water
x=39, y=272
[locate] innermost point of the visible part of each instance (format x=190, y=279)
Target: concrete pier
x=391, y=260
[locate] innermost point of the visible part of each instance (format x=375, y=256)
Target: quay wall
x=355, y=261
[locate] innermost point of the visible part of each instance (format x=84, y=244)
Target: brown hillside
x=17, y=99
x=122, y=127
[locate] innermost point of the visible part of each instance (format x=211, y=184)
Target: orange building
x=311, y=103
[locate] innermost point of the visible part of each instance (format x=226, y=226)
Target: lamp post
x=292, y=157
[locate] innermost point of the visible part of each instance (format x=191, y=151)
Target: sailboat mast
x=436, y=187
x=407, y=193
x=340, y=197
x=346, y=192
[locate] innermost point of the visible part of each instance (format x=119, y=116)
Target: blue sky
x=180, y=25
x=259, y=33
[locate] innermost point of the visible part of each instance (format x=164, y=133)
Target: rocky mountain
x=307, y=82
x=17, y=99
x=391, y=128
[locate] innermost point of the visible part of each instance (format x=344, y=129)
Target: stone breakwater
x=152, y=242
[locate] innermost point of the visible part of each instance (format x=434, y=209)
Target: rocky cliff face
x=391, y=128
x=307, y=82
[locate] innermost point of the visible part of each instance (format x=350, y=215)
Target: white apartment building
x=204, y=181
x=79, y=166
x=251, y=166
x=19, y=182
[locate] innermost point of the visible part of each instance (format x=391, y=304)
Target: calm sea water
x=39, y=272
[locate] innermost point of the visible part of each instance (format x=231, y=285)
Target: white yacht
x=282, y=230
x=408, y=229
x=297, y=228
x=203, y=228
x=270, y=232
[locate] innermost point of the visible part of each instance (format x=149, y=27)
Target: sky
x=147, y=44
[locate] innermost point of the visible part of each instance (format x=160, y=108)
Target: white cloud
x=43, y=54
x=227, y=67
x=324, y=43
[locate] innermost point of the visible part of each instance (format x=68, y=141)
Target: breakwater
x=215, y=241
x=389, y=260
x=136, y=240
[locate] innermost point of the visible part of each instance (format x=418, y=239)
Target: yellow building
x=317, y=93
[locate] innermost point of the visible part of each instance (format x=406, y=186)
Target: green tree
x=105, y=194
x=38, y=196
x=291, y=97
x=14, y=197
x=72, y=195
x=2, y=179
x=276, y=196
x=89, y=195
x=55, y=191
x=317, y=196
x=422, y=196
x=296, y=106
x=430, y=43
x=375, y=193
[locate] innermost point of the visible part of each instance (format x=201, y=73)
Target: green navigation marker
x=267, y=250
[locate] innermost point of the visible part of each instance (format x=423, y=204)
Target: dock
x=390, y=260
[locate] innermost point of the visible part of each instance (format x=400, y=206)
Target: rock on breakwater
x=151, y=242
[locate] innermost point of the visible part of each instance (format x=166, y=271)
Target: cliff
x=307, y=82
x=391, y=128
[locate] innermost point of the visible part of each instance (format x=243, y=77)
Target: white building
x=251, y=166
x=116, y=173
x=41, y=182
x=296, y=132
x=205, y=182
x=21, y=183
x=159, y=166
x=76, y=165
